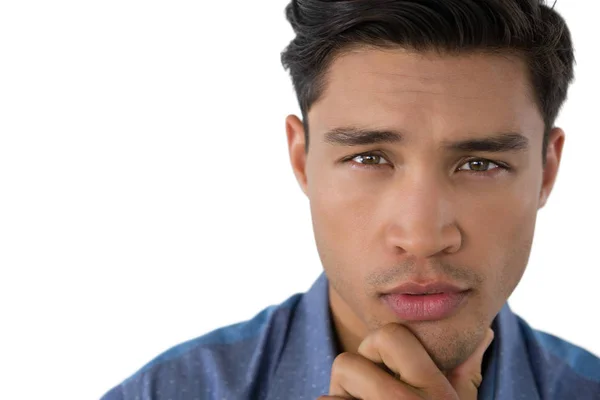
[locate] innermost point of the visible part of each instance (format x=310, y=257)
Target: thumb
x=466, y=378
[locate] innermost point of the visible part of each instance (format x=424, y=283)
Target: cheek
x=520, y=236
x=343, y=220
x=341, y=204
x=500, y=231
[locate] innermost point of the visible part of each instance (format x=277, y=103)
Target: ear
x=556, y=141
x=296, y=147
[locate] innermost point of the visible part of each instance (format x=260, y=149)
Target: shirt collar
x=509, y=374
x=304, y=368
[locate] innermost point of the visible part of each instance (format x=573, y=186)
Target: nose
x=421, y=220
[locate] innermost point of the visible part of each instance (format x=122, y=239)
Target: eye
x=369, y=159
x=480, y=165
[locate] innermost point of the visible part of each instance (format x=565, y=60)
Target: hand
x=360, y=376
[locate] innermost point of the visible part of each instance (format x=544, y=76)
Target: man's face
x=430, y=206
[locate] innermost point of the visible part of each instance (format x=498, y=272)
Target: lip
x=425, y=302
x=426, y=288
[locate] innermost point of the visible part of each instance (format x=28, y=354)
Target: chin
x=448, y=343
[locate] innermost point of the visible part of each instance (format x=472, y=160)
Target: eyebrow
x=352, y=136
x=495, y=143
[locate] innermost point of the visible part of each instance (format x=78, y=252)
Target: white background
x=146, y=195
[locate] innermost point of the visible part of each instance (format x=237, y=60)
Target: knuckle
x=388, y=334
x=342, y=361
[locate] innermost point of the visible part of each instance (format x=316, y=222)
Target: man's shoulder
x=578, y=359
x=560, y=365
x=201, y=367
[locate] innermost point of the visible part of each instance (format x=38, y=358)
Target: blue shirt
x=286, y=352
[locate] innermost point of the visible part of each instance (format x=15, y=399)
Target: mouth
x=425, y=302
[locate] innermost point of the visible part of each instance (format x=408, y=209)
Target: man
x=426, y=147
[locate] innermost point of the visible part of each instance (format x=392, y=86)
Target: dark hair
x=528, y=28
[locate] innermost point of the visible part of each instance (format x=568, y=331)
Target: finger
x=399, y=349
x=353, y=376
x=466, y=378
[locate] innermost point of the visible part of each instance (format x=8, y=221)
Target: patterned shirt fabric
x=286, y=352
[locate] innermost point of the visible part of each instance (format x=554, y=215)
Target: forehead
x=426, y=91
